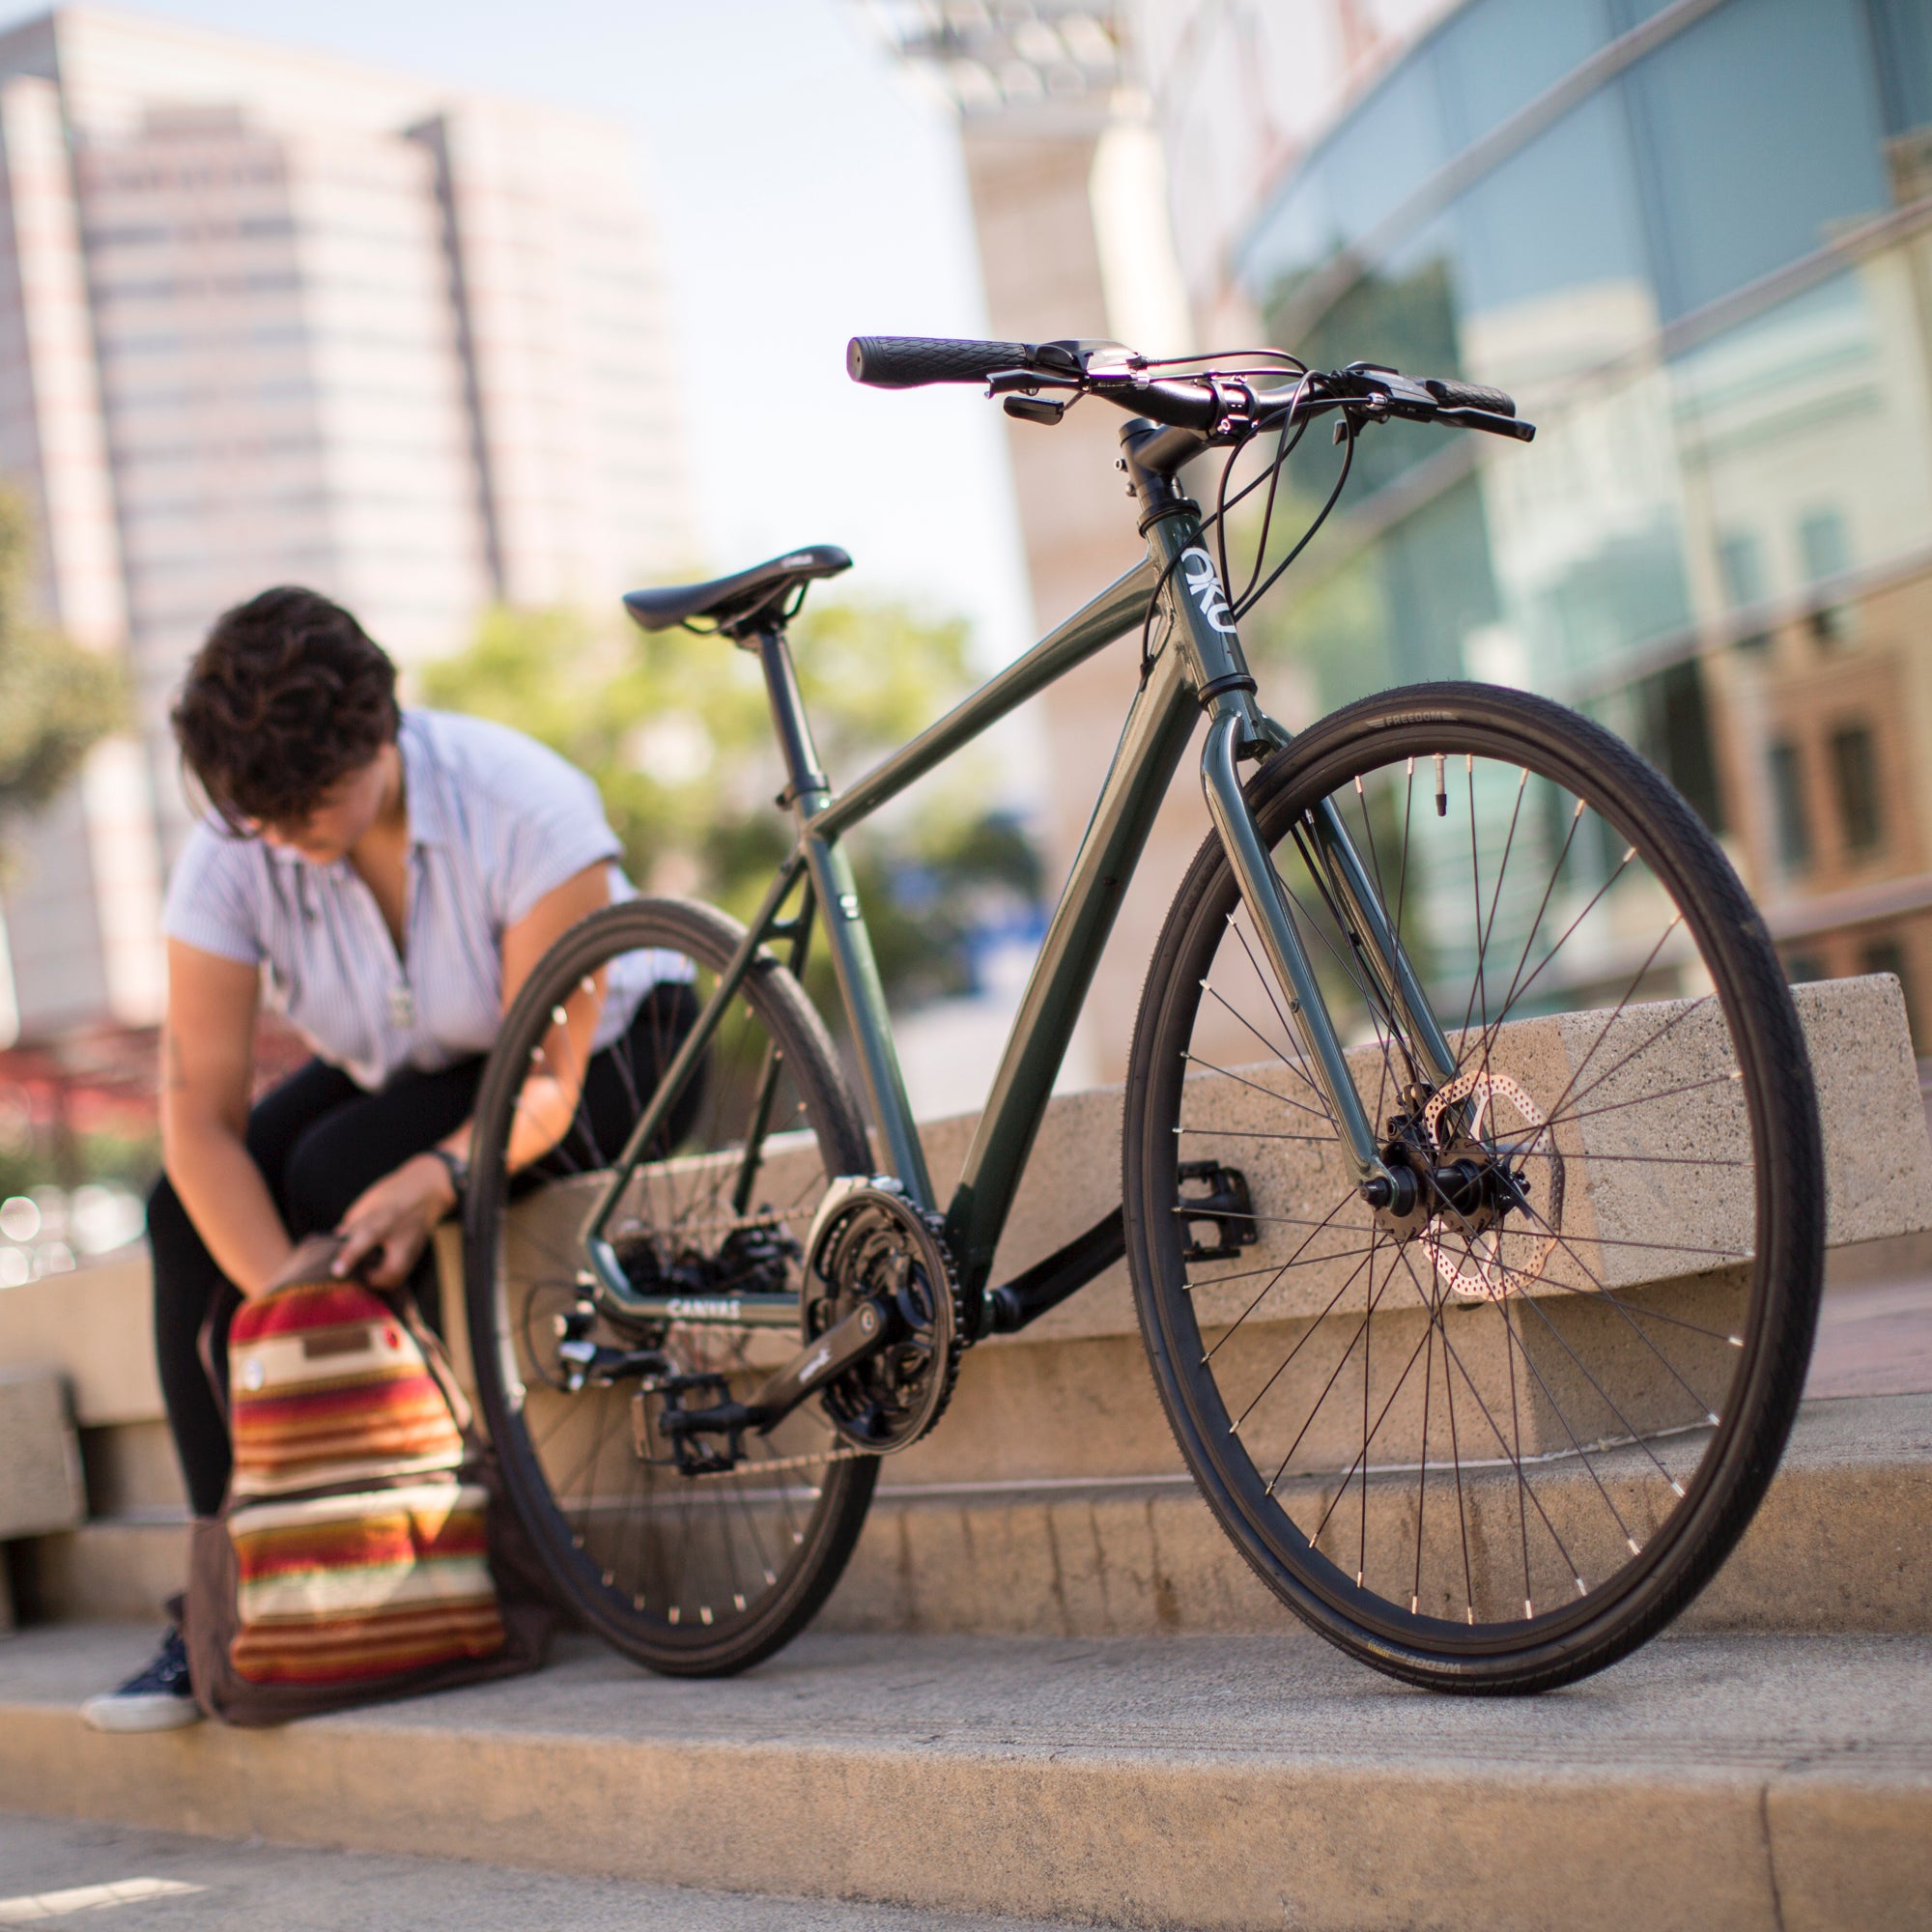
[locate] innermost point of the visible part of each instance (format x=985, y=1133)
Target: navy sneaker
x=158, y=1699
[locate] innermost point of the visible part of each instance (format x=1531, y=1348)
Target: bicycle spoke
x=667, y=1555
x=1583, y=1307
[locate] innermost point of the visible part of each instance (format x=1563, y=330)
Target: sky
x=806, y=191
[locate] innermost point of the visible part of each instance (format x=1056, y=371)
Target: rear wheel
x=692, y=1573
x=1494, y=1442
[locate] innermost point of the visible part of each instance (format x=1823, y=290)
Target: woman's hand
x=394, y=1220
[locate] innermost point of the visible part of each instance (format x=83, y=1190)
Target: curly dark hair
x=287, y=694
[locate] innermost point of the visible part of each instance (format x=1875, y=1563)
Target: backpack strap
x=435, y=1358
x=205, y=1341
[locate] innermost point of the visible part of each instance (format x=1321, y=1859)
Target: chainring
x=877, y=1244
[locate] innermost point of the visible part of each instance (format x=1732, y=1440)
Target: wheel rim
x=667, y=1562
x=1523, y=1432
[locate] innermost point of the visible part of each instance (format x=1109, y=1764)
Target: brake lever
x=1486, y=419
x=1028, y=381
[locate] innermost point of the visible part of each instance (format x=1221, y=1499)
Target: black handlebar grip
x=1470, y=396
x=910, y=361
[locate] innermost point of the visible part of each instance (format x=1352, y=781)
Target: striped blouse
x=495, y=822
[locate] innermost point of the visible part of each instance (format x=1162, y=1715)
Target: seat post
x=807, y=787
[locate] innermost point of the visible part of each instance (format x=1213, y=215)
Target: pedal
x=586, y=1361
x=681, y=1423
x=1223, y=1204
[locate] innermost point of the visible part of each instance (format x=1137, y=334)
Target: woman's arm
x=393, y=1219
x=547, y=1104
x=207, y=1050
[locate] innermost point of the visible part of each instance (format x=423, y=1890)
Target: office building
x=268, y=316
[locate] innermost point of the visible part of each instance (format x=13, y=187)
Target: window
x=1673, y=731
x=1742, y=562
x=1787, y=801
x=1825, y=549
x=1855, y=778
x=1903, y=31
x=1385, y=149
x=1823, y=545
x=1887, y=955
x=1762, y=135
x=1561, y=219
x=1497, y=56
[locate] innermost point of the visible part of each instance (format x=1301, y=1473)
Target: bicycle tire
x=669, y=1573
x=1764, y=1286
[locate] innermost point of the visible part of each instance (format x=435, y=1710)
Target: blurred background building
x=268, y=316
x=1694, y=240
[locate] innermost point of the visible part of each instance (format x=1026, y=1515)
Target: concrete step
x=1840, y=1544
x=1225, y=1781
x=53, y=1867
x=1053, y=1501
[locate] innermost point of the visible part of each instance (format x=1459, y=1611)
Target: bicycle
x=1475, y=1221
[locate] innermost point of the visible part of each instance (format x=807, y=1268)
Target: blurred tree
x=675, y=733
x=56, y=698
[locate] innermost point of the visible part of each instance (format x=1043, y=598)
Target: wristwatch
x=458, y=1170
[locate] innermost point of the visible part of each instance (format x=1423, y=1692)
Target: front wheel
x=692, y=1571
x=1492, y=1437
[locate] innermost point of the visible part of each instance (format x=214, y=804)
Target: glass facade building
x=1695, y=242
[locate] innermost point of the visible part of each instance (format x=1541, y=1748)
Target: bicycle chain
x=781, y=1463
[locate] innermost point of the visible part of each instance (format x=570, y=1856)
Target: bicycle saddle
x=737, y=604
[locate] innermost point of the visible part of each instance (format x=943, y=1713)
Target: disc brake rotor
x=1475, y=1268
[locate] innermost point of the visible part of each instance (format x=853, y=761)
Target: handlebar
x=1218, y=409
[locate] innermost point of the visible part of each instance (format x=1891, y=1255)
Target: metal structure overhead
x=1058, y=62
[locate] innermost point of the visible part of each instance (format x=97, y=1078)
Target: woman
x=386, y=880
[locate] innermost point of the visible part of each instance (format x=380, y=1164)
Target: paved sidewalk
x=1708, y=1783
x=52, y=1869
x=1874, y=1339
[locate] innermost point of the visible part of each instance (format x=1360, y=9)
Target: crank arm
x=864, y=1332
x=867, y=1329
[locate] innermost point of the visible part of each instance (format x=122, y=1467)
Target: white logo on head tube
x=1206, y=588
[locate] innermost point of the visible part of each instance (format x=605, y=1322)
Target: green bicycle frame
x=1200, y=669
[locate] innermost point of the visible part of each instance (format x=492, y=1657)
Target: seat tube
x=808, y=790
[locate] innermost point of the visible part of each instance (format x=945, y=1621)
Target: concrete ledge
x=41, y=1485
x=1840, y=1544
x=122, y=1569
x=1216, y=1782
x=1068, y=1408
x=95, y=1325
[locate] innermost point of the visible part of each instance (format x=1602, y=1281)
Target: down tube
x=1152, y=743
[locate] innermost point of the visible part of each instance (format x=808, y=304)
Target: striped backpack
x=362, y=1551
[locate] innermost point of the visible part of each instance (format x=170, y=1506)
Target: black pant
x=320, y=1140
